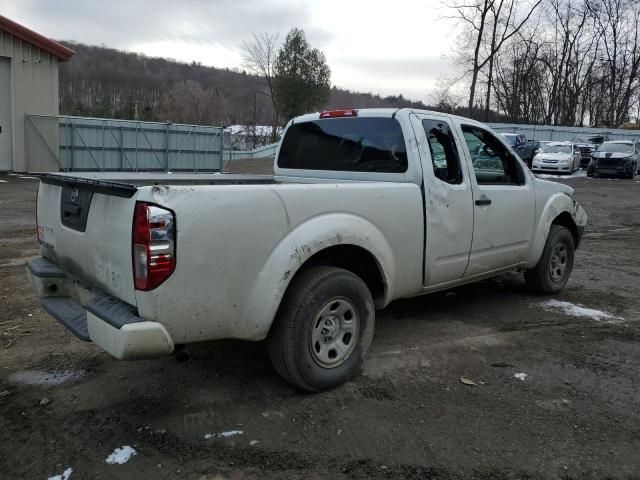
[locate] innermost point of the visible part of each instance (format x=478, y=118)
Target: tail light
x=153, y=246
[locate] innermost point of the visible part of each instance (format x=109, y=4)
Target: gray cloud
x=131, y=24
x=223, y=22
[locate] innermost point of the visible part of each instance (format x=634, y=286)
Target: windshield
x=616, y=147
x=511, y=139
x=557, y=149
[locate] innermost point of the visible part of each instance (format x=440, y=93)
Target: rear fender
x=307, y=239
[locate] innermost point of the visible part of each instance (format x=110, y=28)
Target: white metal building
x=28, y=85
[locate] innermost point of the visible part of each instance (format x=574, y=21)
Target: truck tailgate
x=85, y=227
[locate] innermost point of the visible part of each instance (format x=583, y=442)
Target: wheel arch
x=340, y=240
x=565, y=219
x=355, y=259
x=557, y=211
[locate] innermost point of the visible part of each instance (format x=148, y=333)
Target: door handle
x=483, y=200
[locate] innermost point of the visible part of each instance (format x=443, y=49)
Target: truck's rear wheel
x=323, y=330
x=554, y=268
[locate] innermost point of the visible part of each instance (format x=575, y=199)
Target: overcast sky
x=386, y=47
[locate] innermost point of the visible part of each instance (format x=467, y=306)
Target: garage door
x=6, y=160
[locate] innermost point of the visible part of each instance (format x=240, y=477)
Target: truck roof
x=385, y=113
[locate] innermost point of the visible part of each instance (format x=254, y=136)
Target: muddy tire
x=554, y=268
x=324, y=329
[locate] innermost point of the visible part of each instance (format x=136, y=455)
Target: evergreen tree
x=302, y=77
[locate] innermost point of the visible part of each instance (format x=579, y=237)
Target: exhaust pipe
x=181, y=353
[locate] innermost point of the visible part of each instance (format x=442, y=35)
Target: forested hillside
x=104, y=82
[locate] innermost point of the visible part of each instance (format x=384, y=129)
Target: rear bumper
x=95, y=316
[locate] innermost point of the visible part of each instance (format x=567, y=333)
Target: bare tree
x=259, y=57
x=444, y=97
x=188, y=102
x=581, y=66
x=519, y=84
x=492, y=23
x=474, y=15
x=570, y=55
x=618, y=25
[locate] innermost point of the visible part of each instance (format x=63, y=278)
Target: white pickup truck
x=366, y=206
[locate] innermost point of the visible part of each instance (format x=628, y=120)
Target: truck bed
x=155, y=178
x=238, y=236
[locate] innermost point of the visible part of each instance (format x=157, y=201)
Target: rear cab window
x=444, y=154
x=355, y=144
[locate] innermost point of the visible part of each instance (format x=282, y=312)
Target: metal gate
x=103, y=144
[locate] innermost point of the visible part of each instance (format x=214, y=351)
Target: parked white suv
x=366, y=206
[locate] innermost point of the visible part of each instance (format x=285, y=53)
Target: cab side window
x=493, y=164
x=444, y=154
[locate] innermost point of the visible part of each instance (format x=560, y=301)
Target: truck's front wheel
x=323, y=330
x=554, y=268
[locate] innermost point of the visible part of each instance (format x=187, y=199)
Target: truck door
x=448, y=199
x=503, y=201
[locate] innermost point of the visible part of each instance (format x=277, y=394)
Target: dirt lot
x=64, y=404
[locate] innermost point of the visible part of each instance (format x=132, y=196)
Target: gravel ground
x=574, y=414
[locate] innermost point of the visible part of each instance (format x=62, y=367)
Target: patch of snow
x=258, y=130
x=520, y=376
x=26, y=177
x=63, y=476
x=578, y=174
x=3, y=181
x=230, y=433
x=45, y=378
x=574, y=310
x=121, y=455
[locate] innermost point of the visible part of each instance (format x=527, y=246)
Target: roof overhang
x=23, y=33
